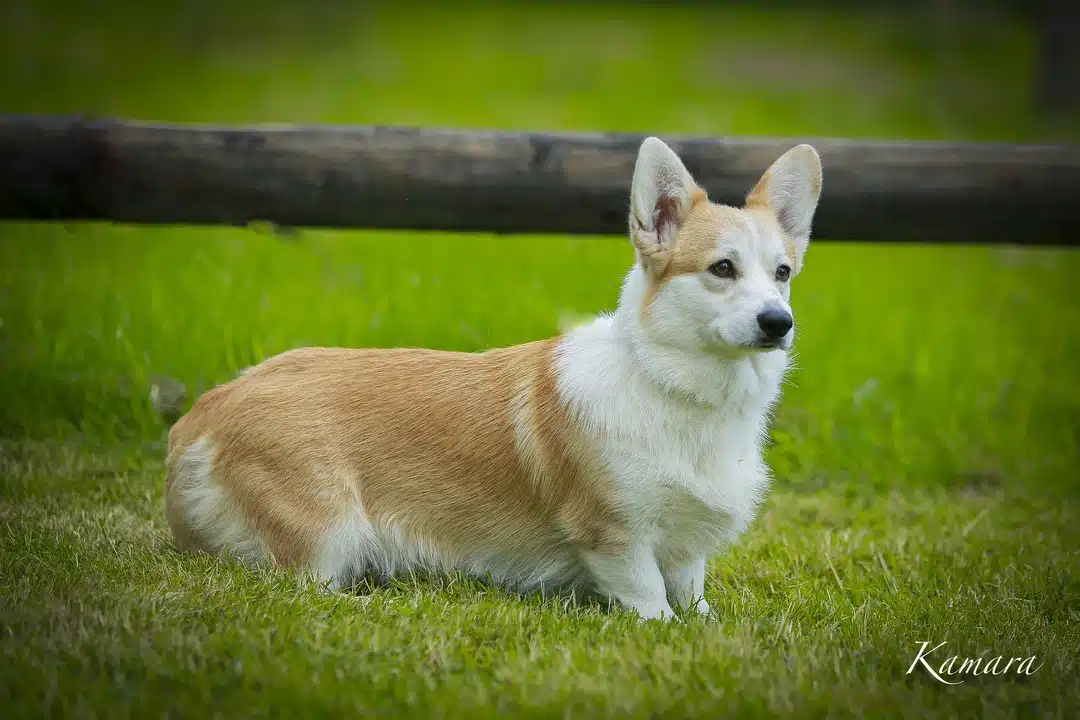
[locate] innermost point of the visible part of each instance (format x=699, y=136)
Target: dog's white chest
x=693, y=483
x=689, y=525
x=687, y=468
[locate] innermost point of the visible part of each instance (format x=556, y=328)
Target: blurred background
x=992, y=69
x=925, y=450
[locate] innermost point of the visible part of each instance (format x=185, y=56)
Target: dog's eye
x=722, y=269
x=783, y=273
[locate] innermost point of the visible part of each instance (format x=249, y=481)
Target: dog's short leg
x=686, y=584
x=633, y=578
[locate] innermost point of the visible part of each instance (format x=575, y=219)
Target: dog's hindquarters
x=347, y=463
x=200, y=512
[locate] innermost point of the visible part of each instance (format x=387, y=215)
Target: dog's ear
x=790, y=188
x=661, y=195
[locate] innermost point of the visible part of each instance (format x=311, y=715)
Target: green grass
x=925, y=451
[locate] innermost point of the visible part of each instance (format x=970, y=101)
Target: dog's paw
x=662, y=613
x=702, y=608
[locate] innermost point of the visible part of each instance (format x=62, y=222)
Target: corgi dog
x=614, y=459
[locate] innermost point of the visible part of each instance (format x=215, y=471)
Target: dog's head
x=718, y=278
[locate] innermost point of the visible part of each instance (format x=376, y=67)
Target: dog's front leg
x=633, y=578
x=685, y=583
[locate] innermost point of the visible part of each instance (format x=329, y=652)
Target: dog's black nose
x=775, y=322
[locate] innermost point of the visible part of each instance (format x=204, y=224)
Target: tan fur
x=757, y=201
x=348, y=461
x=312, y=431
x=694, y=245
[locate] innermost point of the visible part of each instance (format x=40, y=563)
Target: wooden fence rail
x=54, y=168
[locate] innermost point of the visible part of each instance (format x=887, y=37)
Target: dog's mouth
x=767, y=345
x=755, y=348
x=760, y=344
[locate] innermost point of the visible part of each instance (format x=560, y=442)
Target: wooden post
x=423, y=179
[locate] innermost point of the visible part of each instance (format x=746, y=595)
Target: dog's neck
x=733, y=386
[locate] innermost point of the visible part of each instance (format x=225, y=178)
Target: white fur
x=209, y=512
x=677, y=398
x=675, y=402
x=355, y=546
x=681, y=434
